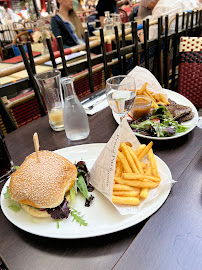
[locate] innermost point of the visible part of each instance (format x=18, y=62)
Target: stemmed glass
x=121, y=93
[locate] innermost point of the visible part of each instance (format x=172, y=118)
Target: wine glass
x=121, y=93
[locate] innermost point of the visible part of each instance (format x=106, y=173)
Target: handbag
x=190, y=69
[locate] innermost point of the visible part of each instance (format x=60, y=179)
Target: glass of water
x=121, y=93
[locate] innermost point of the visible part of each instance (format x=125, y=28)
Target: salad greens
x=58, y=223
x=15, y=207
x=73, y=192
x=82, y=186
x=159, y=124
x=77, y=217
x=7, y=194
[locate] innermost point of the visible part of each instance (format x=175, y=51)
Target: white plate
x=180, y=100
x=102, y=217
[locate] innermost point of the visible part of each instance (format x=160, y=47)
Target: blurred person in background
x=1, y=12
x=170, y=8
x=7, y=12
x=77, y=5
x=108, y=5
x=90, y=5
x=66, y=24
x=146, y=7
x=8, y=15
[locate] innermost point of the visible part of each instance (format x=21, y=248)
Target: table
x=20, y=74
x=18, y=59
x=170, y=239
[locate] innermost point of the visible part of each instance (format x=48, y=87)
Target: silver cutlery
x=96, y=103
x=93, y=97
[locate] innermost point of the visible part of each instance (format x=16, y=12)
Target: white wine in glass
x=121, y=93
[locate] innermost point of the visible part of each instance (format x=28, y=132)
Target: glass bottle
x=108, y=24
x=74, y=116
x=116, y=20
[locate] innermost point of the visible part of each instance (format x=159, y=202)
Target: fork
x=96, y=103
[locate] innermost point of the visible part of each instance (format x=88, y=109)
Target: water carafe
x=74, y=116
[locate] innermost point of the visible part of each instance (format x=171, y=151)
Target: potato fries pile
x=134, y=178
x=157, y=98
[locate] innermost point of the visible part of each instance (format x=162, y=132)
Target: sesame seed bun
x=42, y=184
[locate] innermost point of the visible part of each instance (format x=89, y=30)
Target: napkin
x=98, y=107
x=102, y=172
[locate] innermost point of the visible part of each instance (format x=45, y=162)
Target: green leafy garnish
x=73, y=191
x=15, y=207
x=7, y=194
x=77, y=217
x=16, y=167
x=82, y=186
x=58, y=225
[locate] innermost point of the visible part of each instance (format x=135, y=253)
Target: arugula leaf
x=82, y=186
x=15, y=207
x=77, y=217
x=73, y=191
x=7, y=194
x=58, y=225
x=16, y=167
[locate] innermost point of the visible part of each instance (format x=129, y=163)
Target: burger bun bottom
x=35, y=212
x=38, y=213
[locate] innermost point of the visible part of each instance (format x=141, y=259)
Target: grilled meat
x=181, y=113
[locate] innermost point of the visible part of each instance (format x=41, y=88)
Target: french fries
x=157, y=98
x=134, y=178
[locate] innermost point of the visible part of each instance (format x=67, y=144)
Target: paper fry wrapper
x=103, y=170
x=143, y=75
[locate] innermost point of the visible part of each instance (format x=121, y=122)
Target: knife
x=93, y=97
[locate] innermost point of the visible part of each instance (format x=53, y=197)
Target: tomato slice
x=156, y=120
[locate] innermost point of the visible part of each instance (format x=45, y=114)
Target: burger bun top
x=42, y=184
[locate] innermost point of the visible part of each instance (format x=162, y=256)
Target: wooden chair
x=146, y=54
x=91, y=76
x=23, y=110
x=189, y=26
x=7, y=122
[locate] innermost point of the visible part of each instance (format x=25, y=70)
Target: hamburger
x=41, y=187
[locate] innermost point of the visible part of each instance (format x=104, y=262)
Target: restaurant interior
x=100, y=135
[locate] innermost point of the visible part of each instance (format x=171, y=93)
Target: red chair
x=190, y=69
x=123, y=15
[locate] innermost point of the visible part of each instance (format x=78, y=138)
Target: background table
x=169, y=239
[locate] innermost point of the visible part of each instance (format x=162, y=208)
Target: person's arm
x=121, y=3
x=55, y=28
x=152, y=4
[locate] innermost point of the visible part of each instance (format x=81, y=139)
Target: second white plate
x=180, y=100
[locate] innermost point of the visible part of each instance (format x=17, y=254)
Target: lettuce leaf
x=7, y=194
x=81, y=184
x=58, y=224
x=73, y=191
x=15, y=207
